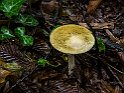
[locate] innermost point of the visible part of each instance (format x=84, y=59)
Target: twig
x=104, y=62
x=120, y=83
x=117, y=45
x=118, y=15
x=112, y=37
x=115, y=69
x=99, y=25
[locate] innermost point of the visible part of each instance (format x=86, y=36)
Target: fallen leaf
x=3, y=75
x=93, y=4
x=49, y=7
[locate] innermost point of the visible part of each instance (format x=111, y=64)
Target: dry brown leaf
x=2, y=62
x=49, y=7
x=93, y=4
x=121, y=41
x=3, y=75
x=106, y=87
x=121, y=55
x=117, y=90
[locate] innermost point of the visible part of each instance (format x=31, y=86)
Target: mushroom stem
x=71, y=63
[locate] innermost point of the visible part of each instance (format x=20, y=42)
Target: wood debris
x=116, y=40
x=99, y=25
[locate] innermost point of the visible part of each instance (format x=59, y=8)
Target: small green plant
x=101, y=45
x=11, y=8
x=43, y=62
x=5, y=33
x=24, y=39
x=26, y=20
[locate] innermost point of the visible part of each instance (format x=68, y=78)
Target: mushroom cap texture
x=72, y=39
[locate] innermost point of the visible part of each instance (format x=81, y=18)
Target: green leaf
x=27, y=20
x=42, y=62
x=101, y=45
x=11, y=7
x=19, y=31
x=5, y=33
x=26, y=40
x=4, y=36
x=5, y=30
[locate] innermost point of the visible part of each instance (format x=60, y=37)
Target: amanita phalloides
x=72, y=39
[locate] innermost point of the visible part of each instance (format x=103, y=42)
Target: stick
x=99, y=25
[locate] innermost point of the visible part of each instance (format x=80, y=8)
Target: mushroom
x=72, y=39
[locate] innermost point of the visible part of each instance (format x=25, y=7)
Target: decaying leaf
x=117, y=90
x=3, y=75
x=121, y=55
x=2, y=62
x=93, y=4
x=49, y=7
x=107, y=88
x=14, y=67
x=121, y=41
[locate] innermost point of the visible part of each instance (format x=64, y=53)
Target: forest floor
x=29, y=64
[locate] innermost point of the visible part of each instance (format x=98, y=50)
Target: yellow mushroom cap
x=72, y=39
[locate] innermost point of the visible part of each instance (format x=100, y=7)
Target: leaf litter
x=95, y=71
